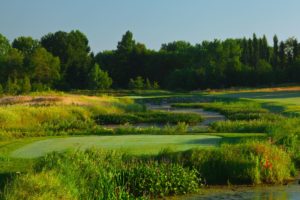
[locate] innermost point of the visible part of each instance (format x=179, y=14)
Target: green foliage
x=245, y=163
x=148, y=117
x=99, y=79
x=44, y=185
x=137, y=83
x=177, y=65
x=27, y=45
x=46, y=67
x=159, y=179
x=243, y=116
x=104, y=175
x=26, y=86
x=148, y=85
x=12, y=86
x=1, y=89
x=100, y=174
x=72, y=49
x=237, y=126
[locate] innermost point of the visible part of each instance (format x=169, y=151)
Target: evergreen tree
x=245, y=51
x=255, y=47
x=275, y=52
x=295, y=50
x=282, y=56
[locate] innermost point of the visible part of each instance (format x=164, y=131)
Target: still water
x=284, y=192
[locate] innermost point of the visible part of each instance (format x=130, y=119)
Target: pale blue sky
x=153, y=22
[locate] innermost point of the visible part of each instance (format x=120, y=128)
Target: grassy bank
x=96, y=174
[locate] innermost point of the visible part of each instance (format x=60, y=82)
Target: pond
x=282, y=192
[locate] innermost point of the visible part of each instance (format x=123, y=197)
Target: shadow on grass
x=205, y=141
x=263, y=95
x=4, y=179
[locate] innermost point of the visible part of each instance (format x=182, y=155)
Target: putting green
x=136, y=144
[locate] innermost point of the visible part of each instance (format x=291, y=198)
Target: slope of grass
x=137, y=144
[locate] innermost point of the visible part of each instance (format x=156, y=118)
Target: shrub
x=245, y=163
x=96, y=174
x=44, y=185
x=252, y=126
x=148, y=117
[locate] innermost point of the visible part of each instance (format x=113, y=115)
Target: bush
x=148, y=117
x=104, y=175
x=245, y=163
x=44, y=185
x=252, y=126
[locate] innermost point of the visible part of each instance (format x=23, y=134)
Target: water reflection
x=289, y=192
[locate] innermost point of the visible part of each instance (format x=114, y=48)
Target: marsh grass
x=99, y=174
x=158, y=117
x=242, y=115
x=103, y=175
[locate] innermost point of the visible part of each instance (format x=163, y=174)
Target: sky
x=152, y=22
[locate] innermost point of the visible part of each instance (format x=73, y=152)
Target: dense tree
x=4, y=45
x=282, y=55
x=26, y=45
x=73, y=51
x=63, y=60
x=13, y=64
x=45, y=67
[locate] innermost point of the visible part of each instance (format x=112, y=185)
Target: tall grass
x=252, y=162
x=148, y=117
x=105, y=175
x=98, y=174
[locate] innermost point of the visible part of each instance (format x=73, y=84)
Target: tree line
x=64, y=61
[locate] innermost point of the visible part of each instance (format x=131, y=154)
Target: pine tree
x=281, y=53
x=275, y=52
x=295, y=50
x=245, y=51
x=255, y=47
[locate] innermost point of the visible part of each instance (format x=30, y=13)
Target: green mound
x=136, y=144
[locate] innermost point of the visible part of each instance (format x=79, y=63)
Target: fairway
x=288, y=100
x=136, y=144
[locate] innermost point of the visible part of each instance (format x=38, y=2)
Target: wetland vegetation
x=54, y=147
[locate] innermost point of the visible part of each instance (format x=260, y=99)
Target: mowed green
x=135, y=144
x=288, y=100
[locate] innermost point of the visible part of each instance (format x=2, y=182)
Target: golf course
x=57, y=141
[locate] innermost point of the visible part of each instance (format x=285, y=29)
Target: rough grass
x=102, y=175
x=251, y=162
x=56, y=115
x=109, y=175
x=159, y=117
x=243, y=116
